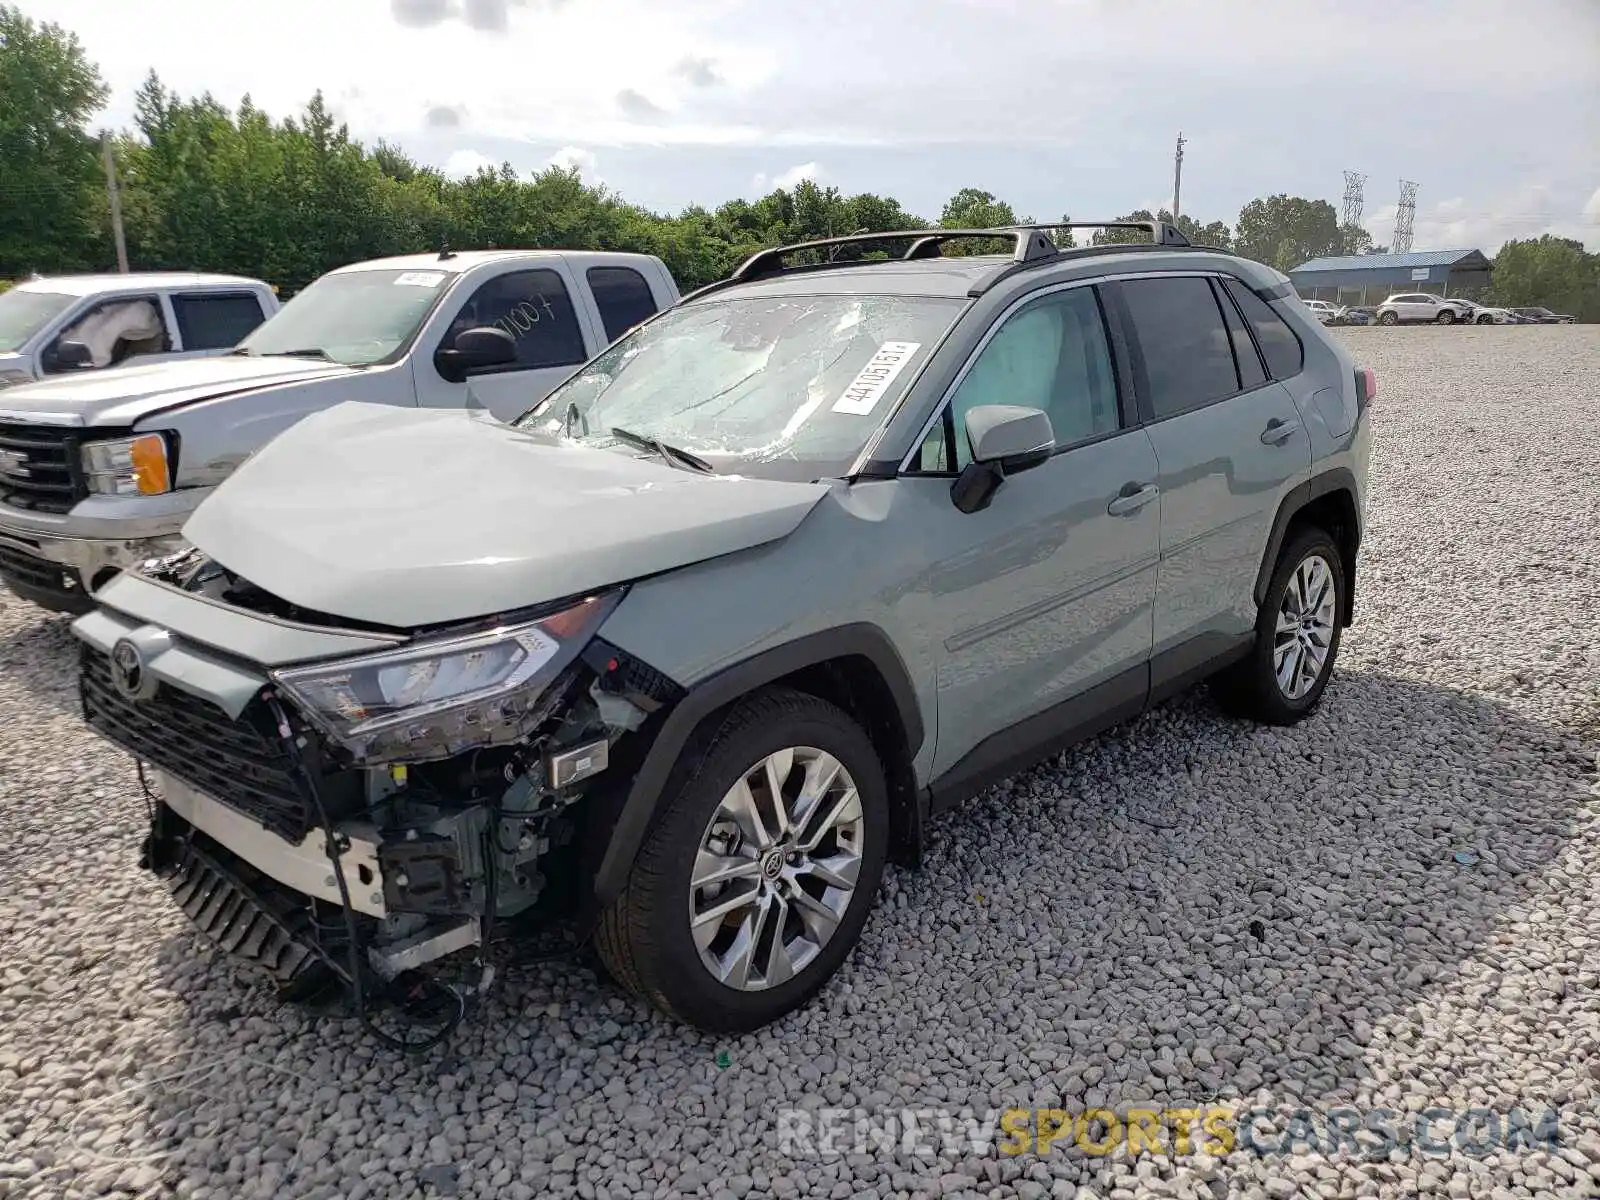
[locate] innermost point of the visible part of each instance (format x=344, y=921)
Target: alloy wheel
x=1305, y=627
x=776, y=868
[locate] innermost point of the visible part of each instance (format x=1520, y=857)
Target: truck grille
x=240, y=763
x=39, y=467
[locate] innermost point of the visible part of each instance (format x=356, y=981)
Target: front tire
x=1297, y=636
x=1445, y=318
x=760, y=870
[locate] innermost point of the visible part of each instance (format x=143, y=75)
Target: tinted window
x=623, y=298
x=1279, y=345
x=534, y=308
x=1188, y=360
x=1251, y=373
x=215, y=322
x=1051, y=354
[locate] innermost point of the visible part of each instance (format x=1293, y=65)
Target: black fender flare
x=1337, y=479
x=717, y=691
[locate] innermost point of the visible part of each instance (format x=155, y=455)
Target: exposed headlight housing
x=135, y=466
x=435, y=698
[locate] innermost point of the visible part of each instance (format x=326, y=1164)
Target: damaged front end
x=350, y=823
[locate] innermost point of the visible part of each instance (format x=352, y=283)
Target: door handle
x=1132, y=498
x=1279, y=431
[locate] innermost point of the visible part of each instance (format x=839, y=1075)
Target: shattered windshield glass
x=782, y=386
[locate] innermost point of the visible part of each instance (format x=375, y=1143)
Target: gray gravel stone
x=1393, y=904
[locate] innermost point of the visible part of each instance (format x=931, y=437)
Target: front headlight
x=436, y=698
x=135, y=466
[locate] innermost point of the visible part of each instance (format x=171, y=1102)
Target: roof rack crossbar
x=1030, y=244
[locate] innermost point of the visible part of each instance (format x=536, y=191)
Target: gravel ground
x=1392, y=905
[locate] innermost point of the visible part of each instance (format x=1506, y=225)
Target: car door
x=622, y=298
x=1049, y=591
x=535, y=306
x=1230, y=443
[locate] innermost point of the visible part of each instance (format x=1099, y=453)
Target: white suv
x=1416, y=307
x=1322, y=310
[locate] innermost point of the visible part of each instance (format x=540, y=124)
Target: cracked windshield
x=786, y=387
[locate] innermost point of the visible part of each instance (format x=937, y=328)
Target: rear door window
x=1251, y=373
x=1188, y=358
x=215, y=320
x=1285, y=356
x=623, y=298
x=533, y=307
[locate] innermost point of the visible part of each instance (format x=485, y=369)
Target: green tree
x=51, y=185
x=1213, y=234
x=1548, y=272
x=1285, y=231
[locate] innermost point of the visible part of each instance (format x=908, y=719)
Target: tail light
x=1366, y=387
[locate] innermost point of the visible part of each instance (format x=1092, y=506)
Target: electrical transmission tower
x=1404, y=215
x=1353, y=181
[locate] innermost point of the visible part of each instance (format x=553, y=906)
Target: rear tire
x=1282, y=679
x=785, y=925
x=1388, y=318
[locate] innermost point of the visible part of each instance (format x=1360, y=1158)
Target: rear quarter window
x=1280, y=345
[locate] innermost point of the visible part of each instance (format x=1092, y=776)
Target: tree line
x=205, y=186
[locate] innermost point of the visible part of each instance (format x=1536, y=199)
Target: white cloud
x=1528, y=211
x=787, y=180
x=464, y=163
x=585, y=161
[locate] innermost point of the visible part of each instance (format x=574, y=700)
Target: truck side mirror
x=475, y=350
x=71, y=356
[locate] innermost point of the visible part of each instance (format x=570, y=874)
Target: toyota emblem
x=127, y=670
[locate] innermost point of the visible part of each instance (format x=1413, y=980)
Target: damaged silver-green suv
x=680, y=658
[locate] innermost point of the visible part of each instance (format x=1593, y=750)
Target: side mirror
x=1005, y=439
x=71, y=356
x=475, y=349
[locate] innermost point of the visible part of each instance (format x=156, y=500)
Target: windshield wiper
x=672, y=454
x=306, y=352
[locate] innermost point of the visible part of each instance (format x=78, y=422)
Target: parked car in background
x=1543, y=316
x=1483, y=314
x=66, y=324
x=100, y=471
x=579, y=669
x=1414, y=308
x=1360, y=315
x=1328, y=314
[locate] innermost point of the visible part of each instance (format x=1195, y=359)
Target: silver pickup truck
x=100, y=470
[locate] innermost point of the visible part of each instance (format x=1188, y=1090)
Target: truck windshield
x=775, y=386
x=23, y=312
x=357, y=318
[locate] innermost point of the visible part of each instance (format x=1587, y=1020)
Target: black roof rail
x=1031, y=246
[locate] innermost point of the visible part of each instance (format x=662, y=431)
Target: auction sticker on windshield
x=864, y=392
x=419, y=279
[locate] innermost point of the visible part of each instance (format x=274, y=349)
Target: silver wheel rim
x=1304, y=633
x=776, y=869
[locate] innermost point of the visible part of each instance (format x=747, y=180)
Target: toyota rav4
x=683, y=656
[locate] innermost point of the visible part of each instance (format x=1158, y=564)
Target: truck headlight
x=135, y=466
x=436, y=698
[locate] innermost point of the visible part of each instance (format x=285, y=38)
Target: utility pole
x=1177, y=177
x=114, y=195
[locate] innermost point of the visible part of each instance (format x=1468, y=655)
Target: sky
x=1073, y=106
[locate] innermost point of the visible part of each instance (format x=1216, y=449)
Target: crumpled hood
x=407, y=517
x=119, y=396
